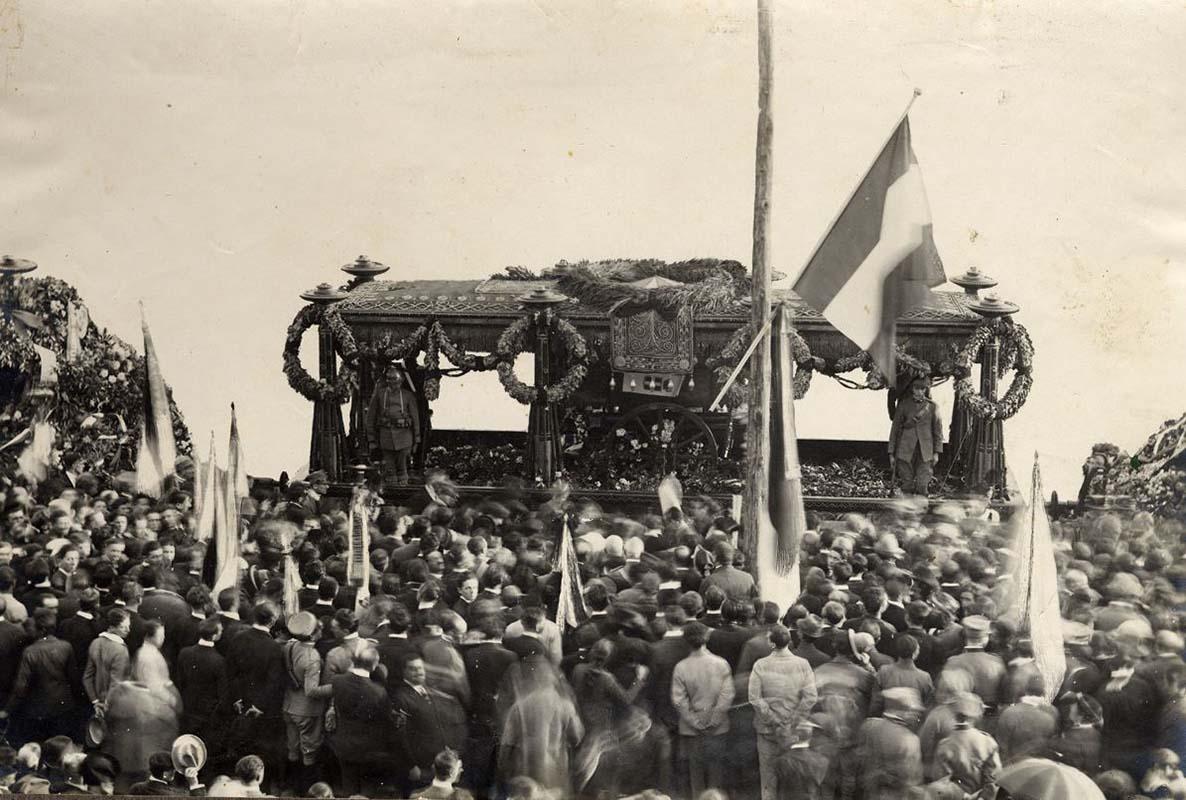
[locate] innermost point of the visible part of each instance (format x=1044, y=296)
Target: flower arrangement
x=1015, y=340
x=16, y=352
x=513, y=341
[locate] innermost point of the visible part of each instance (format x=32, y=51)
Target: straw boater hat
x=189, y=752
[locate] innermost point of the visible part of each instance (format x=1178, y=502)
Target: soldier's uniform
x=916, y=436
x=393, y=424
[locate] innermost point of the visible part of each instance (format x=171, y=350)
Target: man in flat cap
x=916, y=439
x=305, y=700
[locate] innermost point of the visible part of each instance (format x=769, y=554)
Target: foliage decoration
x=299, y=378
x=513, y=341
x=1015, y=338
x=723, y=363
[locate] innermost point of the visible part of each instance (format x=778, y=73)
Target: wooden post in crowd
x=757, y=435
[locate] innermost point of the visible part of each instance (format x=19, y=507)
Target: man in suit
x=365, y=728
x=12, y=642
x=43, y=696
x=395, y=648
x=432, y=724
x=256, y=677
x=228, y=615
x=486, y=662
x=202, y=681
x=107, y=660
x=916, y=439
x=82, y=628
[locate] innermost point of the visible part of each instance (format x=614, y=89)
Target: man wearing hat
x=305, y=700
x=987, y=669
x=888, y=748
x=314, y=500
x=916, y=439
x=810, y=629
x=393, y=424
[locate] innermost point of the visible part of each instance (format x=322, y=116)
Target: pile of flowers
x=99, y=399
x=636, y=469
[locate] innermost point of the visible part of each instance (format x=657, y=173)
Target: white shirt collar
x=360, y=672
x=350, y=637
x=673, y=635
x=262, y=629
x=196, y=615
x=229, y=614
x=84, y=614
x=113, y=637
x=205, y=643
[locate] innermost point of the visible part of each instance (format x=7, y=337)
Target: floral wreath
x=513, y=341
x=1015, y=340
x=299, y=379
x=723, y=363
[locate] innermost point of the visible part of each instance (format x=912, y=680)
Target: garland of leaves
x=299, y=379
x=704, y=284
x=1016, y=340
x=722, y=365
x=16, y=351
x=513, y=341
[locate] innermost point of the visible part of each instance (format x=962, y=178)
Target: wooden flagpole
x=757, y=435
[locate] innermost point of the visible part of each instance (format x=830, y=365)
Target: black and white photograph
x=593, y=399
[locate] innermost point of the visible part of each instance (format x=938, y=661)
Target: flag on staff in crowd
x=233, y=488
x=156, y=459
x=292, y=577
x=671, y=493
x=34, y=460
x=206, y=481
x=1034, y=607
x=879, y=259
x=358, y=562
x=570, y=609
x=784, y=520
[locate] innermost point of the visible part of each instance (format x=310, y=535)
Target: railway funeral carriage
x=634, y=349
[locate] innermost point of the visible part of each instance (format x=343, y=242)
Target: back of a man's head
x=696, y=634
x=249, y=769
x=444, y=766
x=160, y=765
x=228, y=599
x=532, y=619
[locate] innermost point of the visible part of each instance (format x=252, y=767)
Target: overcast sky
x=216, y=158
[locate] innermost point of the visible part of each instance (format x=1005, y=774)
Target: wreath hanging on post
x=299, y=378
x=513, y=341
x=723, y=363
x=1015, y=340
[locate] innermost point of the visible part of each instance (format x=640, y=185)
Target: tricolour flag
x=570, y=610
x=784, y=520
x=879, y=258
x=156, y=458
x=1034, y=607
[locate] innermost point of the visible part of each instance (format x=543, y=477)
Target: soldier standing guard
x=393, y=424
x=916, y=439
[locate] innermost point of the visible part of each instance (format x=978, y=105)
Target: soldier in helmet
x=393, y=424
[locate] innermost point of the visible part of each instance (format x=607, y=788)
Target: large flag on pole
x=206, y=479
x=784, y=521
x=878, y=259
x=233, y=490
x=570, y=610
x=156, y=458
x=358, y=562
x=1034, y=608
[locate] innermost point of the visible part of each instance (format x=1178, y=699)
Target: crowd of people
x=895, y=674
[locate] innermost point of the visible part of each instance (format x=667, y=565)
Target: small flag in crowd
x=156, y=459
x=570, y=611
x=671, y=493
x=358, y=565
x=34, y=460
x=784, y=520
x=1034, y=608
x=233, y=488
x=206, y=480
x=879, y=258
